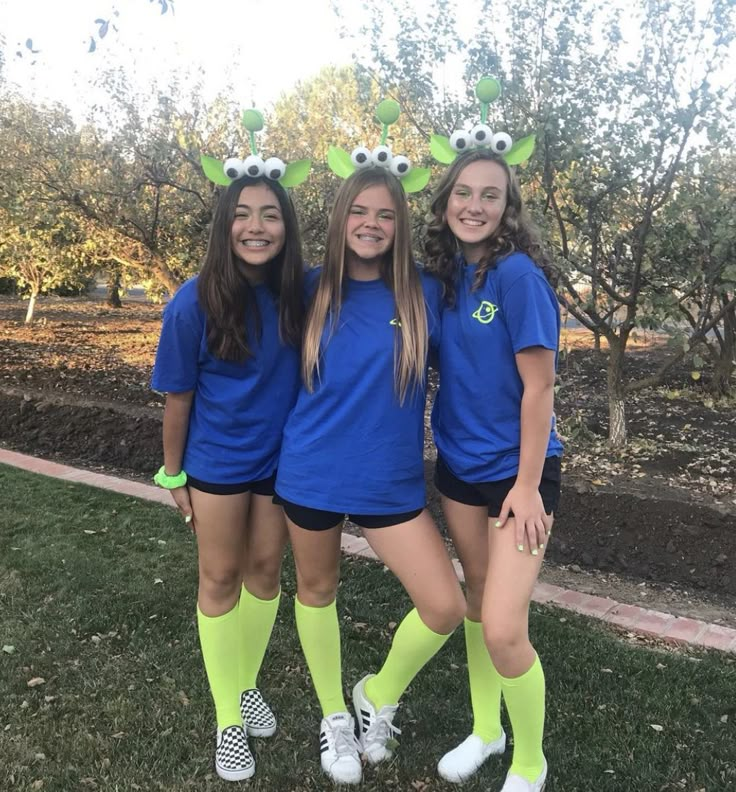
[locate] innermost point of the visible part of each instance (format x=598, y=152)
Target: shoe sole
x=258, y=731
x=461, y=779
x=235, y=775
x=341, y=781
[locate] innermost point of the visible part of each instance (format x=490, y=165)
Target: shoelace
x=382, y=729
x=345, y=742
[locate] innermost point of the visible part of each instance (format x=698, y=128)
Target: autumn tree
x=614, y=123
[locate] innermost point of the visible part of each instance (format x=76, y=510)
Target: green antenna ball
x=253, y=120
x=488, y=89
x=388, y=111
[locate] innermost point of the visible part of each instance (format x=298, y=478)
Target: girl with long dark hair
x=228, y=361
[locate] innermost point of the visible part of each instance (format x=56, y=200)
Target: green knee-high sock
x=256, y=618
x=414, y=645
x=485, y=684
x=319, y=634
x=218, y=637
x=524, y=697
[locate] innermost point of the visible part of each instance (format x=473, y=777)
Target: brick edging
x=664, y=626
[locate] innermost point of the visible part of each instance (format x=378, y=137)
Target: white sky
x=288, y=39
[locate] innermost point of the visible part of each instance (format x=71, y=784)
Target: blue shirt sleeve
x=531, y=312
x=177, y=358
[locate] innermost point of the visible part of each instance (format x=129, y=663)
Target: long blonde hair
x=397, y=271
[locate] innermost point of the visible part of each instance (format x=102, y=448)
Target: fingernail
x=520, y=548
x=188, y=519
x=541, y=546
x=535, y=552
x=498, y=523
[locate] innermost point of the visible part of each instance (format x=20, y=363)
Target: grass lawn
x=97, y=600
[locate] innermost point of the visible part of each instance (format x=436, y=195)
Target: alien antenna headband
x=446, y=150
x=254, y=165
x=343, y=164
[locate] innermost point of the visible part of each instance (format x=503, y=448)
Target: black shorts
x=493, y=493
x=260, y=487
x=321, y=520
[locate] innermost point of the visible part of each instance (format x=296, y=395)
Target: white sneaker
x=515, y=783
x=376, y=731
x=460, y=763
x=258, y=718
x=233, y=759
x=339, y=750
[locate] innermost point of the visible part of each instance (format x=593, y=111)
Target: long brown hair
x=516, y=231
x=225, y=294
x=397, y=270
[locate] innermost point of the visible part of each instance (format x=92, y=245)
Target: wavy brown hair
x=516, y=231
x=398, y=272
x=226, y=296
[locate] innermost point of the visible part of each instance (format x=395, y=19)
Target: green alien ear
x=417, y=179
x=339, y=162
x=296, y=173
x=521, y=150
x=441, y=150
x=213, y=170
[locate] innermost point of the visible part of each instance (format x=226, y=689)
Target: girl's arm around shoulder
x=433, y=299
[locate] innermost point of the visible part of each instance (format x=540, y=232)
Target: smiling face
x=258, y=231
x=476, y=205
x=370, y=229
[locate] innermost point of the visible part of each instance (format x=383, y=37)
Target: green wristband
x=170, y=482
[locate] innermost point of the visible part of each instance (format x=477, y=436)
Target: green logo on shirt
x=486, y=312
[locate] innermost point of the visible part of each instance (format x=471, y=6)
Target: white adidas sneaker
x=376, y=731
x=339, y=749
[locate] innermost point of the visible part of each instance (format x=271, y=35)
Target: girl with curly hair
x=498, y=456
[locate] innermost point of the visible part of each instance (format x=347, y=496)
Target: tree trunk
x=165, y=277
x=31, y=306
x=720, y=385
x=724, y=365
x=616, y=394
x=113, y=291
x=596, y=341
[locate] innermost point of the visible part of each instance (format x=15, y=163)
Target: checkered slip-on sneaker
x=233, y=759
x=258, y=719
x=339, y=751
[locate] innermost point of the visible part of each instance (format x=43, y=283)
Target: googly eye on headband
x=343, y=164
x=446, y=150
x=254, y=165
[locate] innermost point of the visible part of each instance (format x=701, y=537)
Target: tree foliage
x=616, y=122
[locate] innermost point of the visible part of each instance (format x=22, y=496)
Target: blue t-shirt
x=476, y=417
x=239, y=409
x=350, y=446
